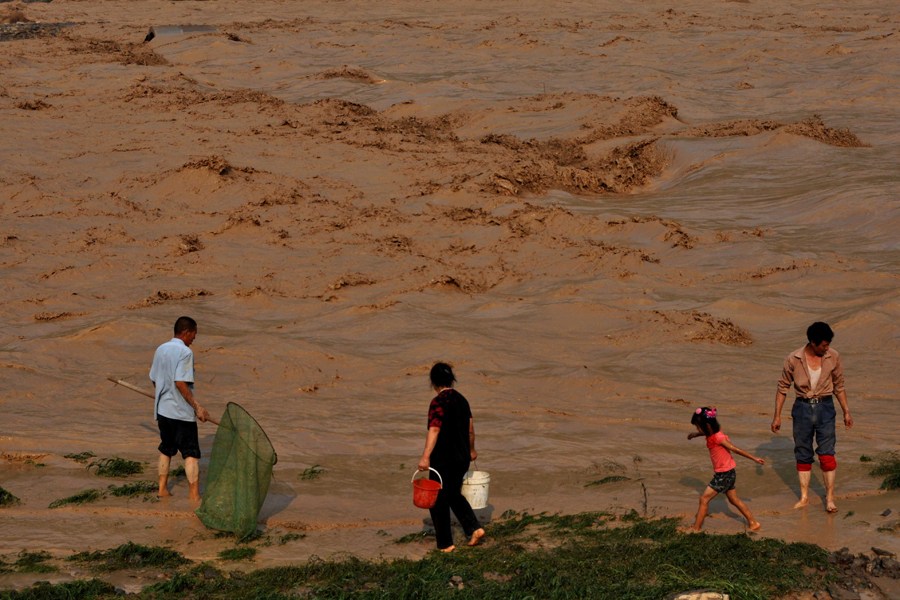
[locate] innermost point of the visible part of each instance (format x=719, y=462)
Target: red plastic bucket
x=425, y=491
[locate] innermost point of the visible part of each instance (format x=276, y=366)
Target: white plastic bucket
x=475, y=488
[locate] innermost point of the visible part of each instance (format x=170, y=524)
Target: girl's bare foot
x=830, y=506
x=476, y=537
x=754, y=526
x=801, y=502
x=448, y=549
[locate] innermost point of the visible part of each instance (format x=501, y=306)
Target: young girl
x=720, y=449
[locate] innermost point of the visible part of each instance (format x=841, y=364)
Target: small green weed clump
x=33, y=562
x=887, y=466
x=130, y=556
x=81, y=457
x=116, y=467
x=82, y=497
x=239, y=553
x=607, y=479
x=313, y=472
x=137, y=488
x=128, y=490
x=7, y=499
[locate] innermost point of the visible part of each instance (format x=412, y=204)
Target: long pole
x=135, y=388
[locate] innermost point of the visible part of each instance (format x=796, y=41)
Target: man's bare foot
x=801, y=502
x=754, y=526
x=476, y=537
x=830, y=506
x=690, y=529
x=448, y=549
x=163, y=493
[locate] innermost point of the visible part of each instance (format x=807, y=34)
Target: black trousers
x=450, y=498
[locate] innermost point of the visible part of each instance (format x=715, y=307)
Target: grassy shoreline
x=585, y=555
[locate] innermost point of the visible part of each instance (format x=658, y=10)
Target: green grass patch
x=137, y=488
x=418, y=536
x=547, y=556
x=130, y=556
x=43, y=590
x=178, y=472
x=313, y=472
x=81, y=457
x=116, y=467
x=7, y=499
x=82, y=497
x=239, y=553
x=888, y=466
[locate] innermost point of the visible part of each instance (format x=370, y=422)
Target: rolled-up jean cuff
x=804, y=467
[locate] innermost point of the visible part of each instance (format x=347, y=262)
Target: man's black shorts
x=178, y=435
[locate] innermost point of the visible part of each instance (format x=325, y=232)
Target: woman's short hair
x=442, y=375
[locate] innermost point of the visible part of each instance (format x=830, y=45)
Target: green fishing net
x=240, y=468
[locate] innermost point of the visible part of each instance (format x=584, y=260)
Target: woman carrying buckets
x=449, y=447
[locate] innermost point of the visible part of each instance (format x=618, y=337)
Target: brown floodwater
x=602, y=216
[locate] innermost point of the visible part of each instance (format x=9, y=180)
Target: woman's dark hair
x=442, y=375
x=819, y=332
x=705, y=419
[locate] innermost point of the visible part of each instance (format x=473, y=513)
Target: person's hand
x=202, y=414
x=776, y=424
x=848, y=420
x=424, y=463
x=759, y=460
x=473, y=454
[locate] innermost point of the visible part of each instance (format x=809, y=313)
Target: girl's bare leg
x=752, y=523
x=703, y=509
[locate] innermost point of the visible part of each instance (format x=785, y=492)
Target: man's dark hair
x=442, y=375
x=185, y=324
x=819, y=332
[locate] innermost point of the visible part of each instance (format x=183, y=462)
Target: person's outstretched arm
x=731, y=447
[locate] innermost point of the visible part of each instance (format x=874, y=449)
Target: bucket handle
x=466, y=476
x=440, y=479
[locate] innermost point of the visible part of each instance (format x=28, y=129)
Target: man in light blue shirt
x=175, y=409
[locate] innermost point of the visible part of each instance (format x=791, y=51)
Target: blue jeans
x=813, y=422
